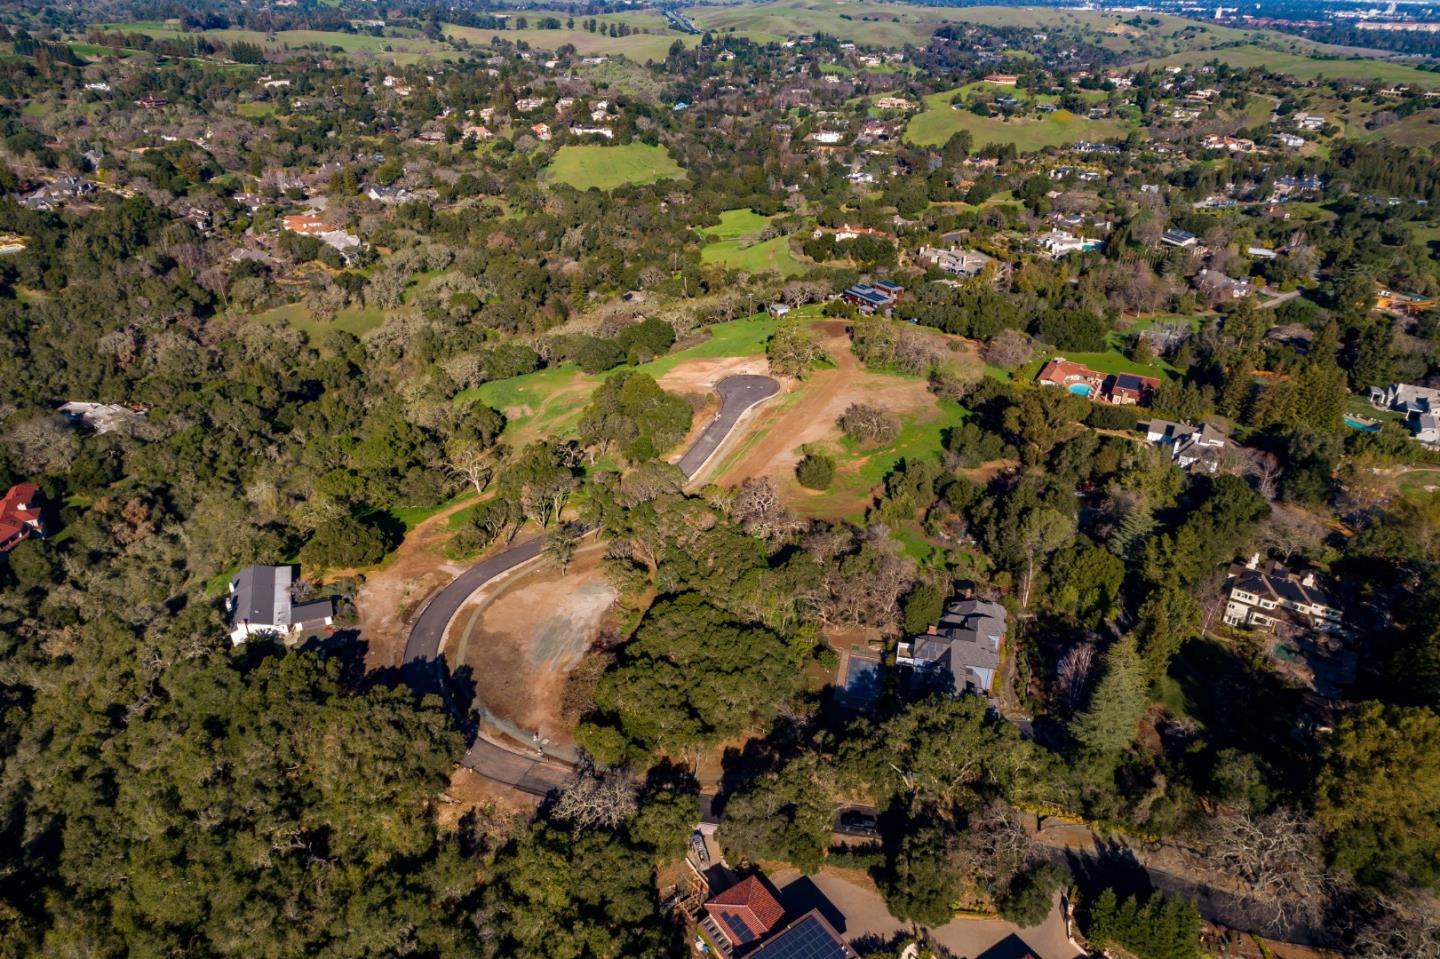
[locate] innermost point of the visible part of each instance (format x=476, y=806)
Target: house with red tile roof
x=742, y=914
x=20, y=517
x=1073, y=376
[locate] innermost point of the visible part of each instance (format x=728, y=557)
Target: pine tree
x=1111, y=720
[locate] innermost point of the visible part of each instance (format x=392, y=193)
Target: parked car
x=697, y=842
x=858, y=823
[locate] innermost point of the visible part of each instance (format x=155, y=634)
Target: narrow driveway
x=426, y=671
x=737, y=394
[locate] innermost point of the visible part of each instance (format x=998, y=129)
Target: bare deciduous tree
x=1277, y=857
x=595, y=799
x=869, y=424
x=1073, y=674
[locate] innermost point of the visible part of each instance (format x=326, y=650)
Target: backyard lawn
x=606, y=167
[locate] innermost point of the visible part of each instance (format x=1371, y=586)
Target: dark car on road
x=857, y=822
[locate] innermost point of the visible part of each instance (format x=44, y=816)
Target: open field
x=353, y=319
x=1420, y=129
x=939, y=122
x=1301, y=67
x=549, y=402
x=637, y=46
x=401, y=49
x=254, y=109
x=807, y=415
x=606, y=167
x=733, y=245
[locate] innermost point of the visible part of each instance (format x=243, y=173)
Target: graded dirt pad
x=811, y=418
x=521, y=636
x=700, y=376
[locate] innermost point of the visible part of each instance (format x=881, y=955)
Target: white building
x=260, y=605
x=1279, y=598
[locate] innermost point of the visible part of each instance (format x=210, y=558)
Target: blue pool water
x=1080, y=389
x=1355, y=424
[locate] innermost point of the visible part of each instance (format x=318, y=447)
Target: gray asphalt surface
x=426, y=671
x=737, y=394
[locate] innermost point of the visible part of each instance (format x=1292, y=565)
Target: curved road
x=424, y=666
x=737, y=395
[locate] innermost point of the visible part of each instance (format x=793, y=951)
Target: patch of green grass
x=735, y=224
x=1110, y=361
x=640, y=47
x=767, y=256
x=353, y=319
x=859, y=469
x=607, y=167
x=939, y=122
x=549, y=402
x=1251, y=56
x=412, y=516
x=253, y=110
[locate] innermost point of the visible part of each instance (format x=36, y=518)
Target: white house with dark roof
x=260, y=605
x=1279, y=598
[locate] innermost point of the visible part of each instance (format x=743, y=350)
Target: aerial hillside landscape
x=802, y=479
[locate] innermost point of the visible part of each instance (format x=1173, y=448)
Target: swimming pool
x=1080, y=389
x=1355, y=424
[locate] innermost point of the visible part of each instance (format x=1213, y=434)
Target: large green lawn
x=400, y=49
x=640, y=47
x=939, y=122
x=1301, y=67
x=733, y=245
x=549, y=402
x=606, y=167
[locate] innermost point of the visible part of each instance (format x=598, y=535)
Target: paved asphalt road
x=737, y=394
x=426, y=671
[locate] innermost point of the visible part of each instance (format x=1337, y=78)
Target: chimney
x=931, y=631
x=1254, y=561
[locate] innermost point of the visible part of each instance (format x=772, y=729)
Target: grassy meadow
x=607, y=167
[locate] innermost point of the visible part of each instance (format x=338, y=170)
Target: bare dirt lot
x=522, y=635
x=812, y=417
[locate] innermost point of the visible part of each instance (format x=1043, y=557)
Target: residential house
x=827, y=137
x=388, y=194
x=475, y=131
x=741, y=916
x=1425, y=428
x=20, y=515
x=1231, y=144
x=99, y=86
x=1289, y=141
x=962, y=652
x=526, y=104
x=1289, y=186
x=1129, y=389
x=541, y=131
x=1075, y=377
x=101, y=417
x=871, y=298
x=605, y=132
x=967, y=264
x=1261, y=252
x=809, y=937
x=1278, y=598
x=260, y=605
x=1003, y=79
x=847, y=232
x=306, y=224
x=151, y=103
x=1217, y=286
x=1181, y=238
x=1058, y=243
x=1309, y=122
x=1405, y=398
x=1191, y=447
x=894, y=103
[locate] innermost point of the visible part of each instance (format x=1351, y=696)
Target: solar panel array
x=740, y=932
x=807, y=939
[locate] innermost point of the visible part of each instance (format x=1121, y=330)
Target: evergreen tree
x=1110, y=722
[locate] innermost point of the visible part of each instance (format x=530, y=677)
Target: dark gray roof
x=260, y=596
x=314, y=612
